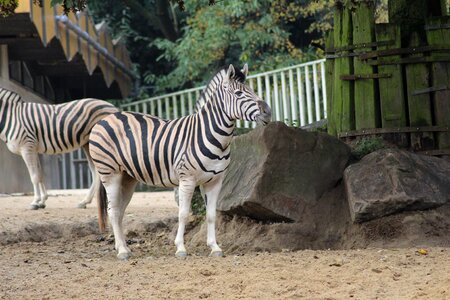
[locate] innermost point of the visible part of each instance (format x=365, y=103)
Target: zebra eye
x=238, y=93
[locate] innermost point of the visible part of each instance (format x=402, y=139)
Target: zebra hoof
x=124, y=255
x=216, y=254
x=181, y=254
x=41, y=205
x=81, y=205
x=34, y=206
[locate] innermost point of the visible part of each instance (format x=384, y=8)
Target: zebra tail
x=102, y=208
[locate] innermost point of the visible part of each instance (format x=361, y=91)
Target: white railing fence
x=297, y=96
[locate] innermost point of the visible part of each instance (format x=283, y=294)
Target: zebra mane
x=206, y=93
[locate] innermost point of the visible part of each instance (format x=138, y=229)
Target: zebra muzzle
x=265, y=113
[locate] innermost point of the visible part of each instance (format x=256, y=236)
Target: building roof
x=70, y=50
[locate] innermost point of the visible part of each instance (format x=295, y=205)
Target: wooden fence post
x=366, y=106
x=392, y=97
x=343, y=104
x=419, y=104
x=331, y=123
x=438, y=35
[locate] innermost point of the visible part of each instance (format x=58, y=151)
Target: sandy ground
x=56, y=253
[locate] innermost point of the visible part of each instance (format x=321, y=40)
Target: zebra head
x=241, y=102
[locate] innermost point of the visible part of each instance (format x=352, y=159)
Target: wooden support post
x=418, y=78
x=440, y=77
x=343, y=103
x=366, y=106
x=409, y=14
x=329, y=66
x=392, y=97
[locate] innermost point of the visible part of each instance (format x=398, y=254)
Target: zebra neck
x=218, y=126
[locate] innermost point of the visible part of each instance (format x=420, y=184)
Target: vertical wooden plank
x=445, y=4
x=418, y=78
x=343, y=97
x=366, y=108
x=440, y=78
x=392, y=97
x=329, y=74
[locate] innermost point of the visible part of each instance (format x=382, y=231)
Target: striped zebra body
x=31, y=128
x=187, y=152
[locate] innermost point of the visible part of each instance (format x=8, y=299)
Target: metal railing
x=297, y=96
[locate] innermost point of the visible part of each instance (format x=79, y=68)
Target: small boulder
x=391, y=180
x=277, y=172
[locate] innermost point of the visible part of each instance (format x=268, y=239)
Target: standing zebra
x=31, y=128
x=187, y=152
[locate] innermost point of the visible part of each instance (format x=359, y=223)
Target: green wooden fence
x=391, y=79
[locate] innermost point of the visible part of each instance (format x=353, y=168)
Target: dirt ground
x=57, y=253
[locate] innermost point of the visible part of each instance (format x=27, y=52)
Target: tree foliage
x=177, y=44
x=259, y=33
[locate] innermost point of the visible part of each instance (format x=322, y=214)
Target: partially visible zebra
x=187, y=152
x=31, y=128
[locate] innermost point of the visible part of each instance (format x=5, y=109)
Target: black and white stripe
x=32, y=128
x=190, y=151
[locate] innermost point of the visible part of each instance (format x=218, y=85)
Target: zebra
x=29, y=129
x=194, y=150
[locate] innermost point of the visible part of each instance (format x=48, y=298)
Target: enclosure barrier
x=297, y=96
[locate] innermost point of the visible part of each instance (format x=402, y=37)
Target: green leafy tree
x=255, y=32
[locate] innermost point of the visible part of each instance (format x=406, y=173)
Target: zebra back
x=49, y=128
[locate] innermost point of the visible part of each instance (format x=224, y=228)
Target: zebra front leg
x=34, y=169
x=95, y=180
x=44, y=195
x=119, y=189
x=211, y=192
x=185, y=191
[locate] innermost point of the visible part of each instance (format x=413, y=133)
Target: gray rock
x=276, y=172
x=391, y=180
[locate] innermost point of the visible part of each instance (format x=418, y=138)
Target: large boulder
x=278, y=172
x=391, y=180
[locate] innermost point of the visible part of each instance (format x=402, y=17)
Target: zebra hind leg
x=34, y=169
x=212, y=191
x=119, y=189
x=185, y=190
x=95, y=180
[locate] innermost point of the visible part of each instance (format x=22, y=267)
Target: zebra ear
x=245, y=70
x=230, y=72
